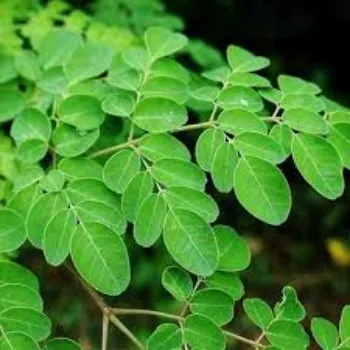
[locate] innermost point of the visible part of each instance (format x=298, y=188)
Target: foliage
x=90, y=148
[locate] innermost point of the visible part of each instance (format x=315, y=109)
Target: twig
x=105, y=328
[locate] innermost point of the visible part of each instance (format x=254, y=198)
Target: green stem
x=138, y=98
x=187, y=304
x=180, y=319
x=216, y=106
x=135, y=142
x=118, y=311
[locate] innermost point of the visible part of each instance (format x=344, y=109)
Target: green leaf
x=94, y=211
x=139, y=188
x=83, y=112
x=191, y=242
x=176, y=172
x=78, y=168
x=287, y=335
x=159, y=115
x=162, y=42
x=120, y=169
x=57, y=237
x=53, y=81
x=259, y=312
x=168, y=67
x=234, y=253
x=87, y=61
x=272, y=95
x=7, y=68
x=97, y=88
x=177, y=282
x=19, y=295
x=207, y=144
x=83, y=190
x=12, y=231
x=339, y=117
x=290, y=308
x=158, y=146
x=344, y=326
x=31, y=151
x=57, y=48
x=136, y=58
x=41, y=213
x=243, y=61
x=227, y=282
x=240, y=97
x=214, y=304
x=150, y=220
x=31, y=124
x=220, y=74
x=53, y=181
x=306, y=121
x=27, y=65
x=168, y=88
x=119, y=104
x=308, y=102
x=29, y=321
x=259, y=146
x=28, y=175
x=294, y=85
x=319, y=163
x=12, y=104
x=237, y=121
x=283, y=135
x=249, y=80
x=262, y=190
x=18, y=341
x=201, y=333
x=69, y=142
x=205, y=93
x=339, y=137
x=62, y=344
x=325, y=333
x=122, y=76
x=109, y=270
x=165, y=337
x=223, y=166
x=17, y=274
x=193, y=200
x=22, y=201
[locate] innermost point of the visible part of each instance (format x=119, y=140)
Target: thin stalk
x=135, y=142
x=118, y=311
x=105, y=328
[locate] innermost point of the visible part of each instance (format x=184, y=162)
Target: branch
x=112, y=314
x=106, y=309
x=135, y=142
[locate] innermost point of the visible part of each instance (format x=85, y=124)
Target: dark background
x=304, y=37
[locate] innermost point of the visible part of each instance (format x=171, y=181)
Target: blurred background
x=311, y=251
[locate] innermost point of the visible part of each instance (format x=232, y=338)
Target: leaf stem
x=187, y=304
x=216, y=106
x=135, y=142
x=138, y=98
x=118, y=311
